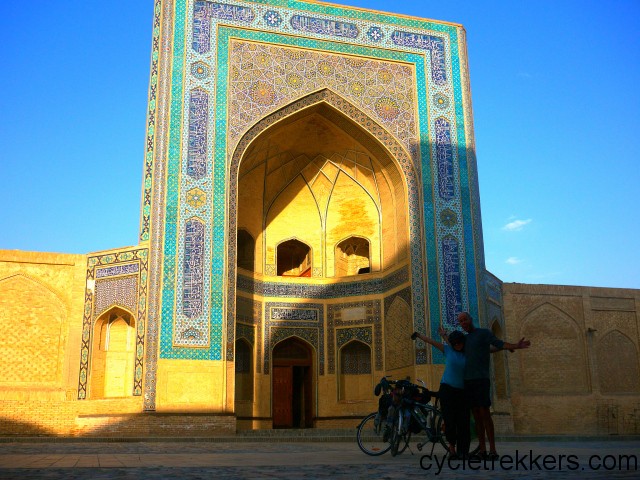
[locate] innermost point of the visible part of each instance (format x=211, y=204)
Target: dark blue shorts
x=478, y=392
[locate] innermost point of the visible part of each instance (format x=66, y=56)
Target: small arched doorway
x=292, y=384
x=113, y=355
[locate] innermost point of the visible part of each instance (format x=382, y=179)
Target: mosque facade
x=310, y=197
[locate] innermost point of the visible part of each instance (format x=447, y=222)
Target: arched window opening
x=245, y=250
x=294, y=259
x=355, y=371
x=353, y=257
x=244, y=371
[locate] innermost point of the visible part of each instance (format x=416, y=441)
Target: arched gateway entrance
x=292, y=384
x=325, y=193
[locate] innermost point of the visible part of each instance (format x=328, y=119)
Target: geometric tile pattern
x=355, y=359
x=264, y=78
x=445, y=159
x=336, y=290
x=115, y=286
x=405, y=294
x=120, y=291
x=198, y=116
x=451, y=263
x=285, y=320
x=354, y=320
x=192, y=289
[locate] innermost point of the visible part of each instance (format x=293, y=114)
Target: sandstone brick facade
x=581, y=375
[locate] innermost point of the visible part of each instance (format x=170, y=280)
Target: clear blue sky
x=556, y=102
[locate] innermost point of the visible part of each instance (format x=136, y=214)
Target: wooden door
x=282, y=396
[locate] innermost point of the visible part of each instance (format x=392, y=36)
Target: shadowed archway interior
x=308, y=180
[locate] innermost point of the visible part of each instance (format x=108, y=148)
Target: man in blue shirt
x=476, y=379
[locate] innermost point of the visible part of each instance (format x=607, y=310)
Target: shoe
x=475, y=451
x=478, y=455
x=493, y=456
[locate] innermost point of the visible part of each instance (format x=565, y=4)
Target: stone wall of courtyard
x=581, y=376
x=582, y=372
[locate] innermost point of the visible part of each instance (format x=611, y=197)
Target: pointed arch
x=613, y=349
x=113, y=354
x=560, y=352
x=356, y=372
x=294, y=258
x=33, y=332
x=403, y=176
x=352, y=256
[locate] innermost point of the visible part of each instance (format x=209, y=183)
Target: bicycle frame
x=429, y=419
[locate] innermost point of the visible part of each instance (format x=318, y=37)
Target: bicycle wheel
x=439, y=425
x=400, y=437
x=435, y=431
x=396, y=437
x=369, y=436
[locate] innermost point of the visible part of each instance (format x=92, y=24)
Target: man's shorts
x=478, y=392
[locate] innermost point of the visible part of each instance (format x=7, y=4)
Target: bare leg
x=488, y=427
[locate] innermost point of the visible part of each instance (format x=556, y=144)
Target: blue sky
x=556, y=108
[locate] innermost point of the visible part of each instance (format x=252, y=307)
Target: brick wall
x=580, y=375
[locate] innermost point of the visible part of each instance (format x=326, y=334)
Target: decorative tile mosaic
x=398, y=347
x=345, y=335
x=421, y=353
x=205, y=12
x=117, y=270
x=115, y=287
x=198, y=126
x=342, y=318
x=145, y=224
x=323, y=27
x=433, y=44
x=300, y=322
x=192, y=290
x=420, y=46
x=328, y=291
x=451, y=259
x=156, y=166
x=120, y=291
x=355, y=358
x=444, y=159
x=247, y=332
x=265, y=78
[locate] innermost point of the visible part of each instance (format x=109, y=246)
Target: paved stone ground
x=266, y=459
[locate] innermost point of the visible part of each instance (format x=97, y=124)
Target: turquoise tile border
x=432, y=238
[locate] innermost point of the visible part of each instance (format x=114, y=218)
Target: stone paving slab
x=267, y=460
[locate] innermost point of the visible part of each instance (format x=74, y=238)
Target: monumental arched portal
x=309, y=199
x=309, y=179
